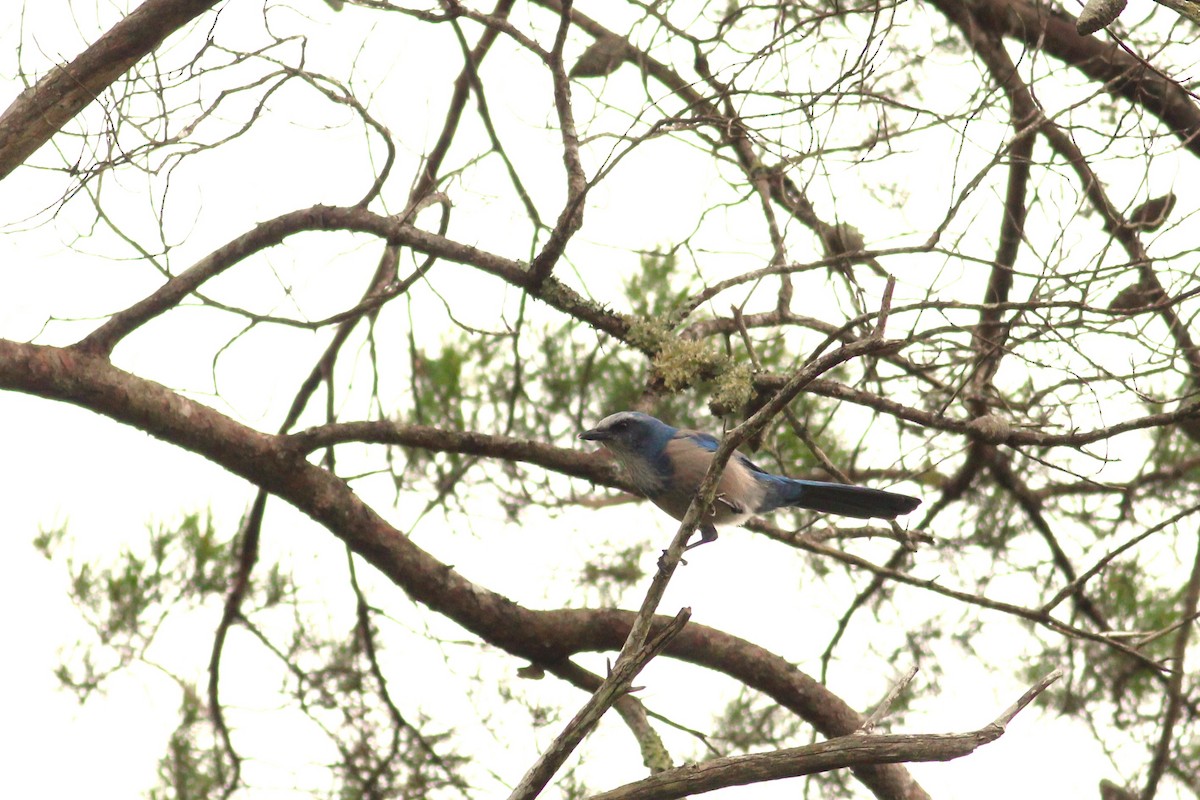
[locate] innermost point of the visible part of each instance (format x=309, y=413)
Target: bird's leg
x=708, y=533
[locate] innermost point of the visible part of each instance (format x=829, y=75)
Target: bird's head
x=629, y=433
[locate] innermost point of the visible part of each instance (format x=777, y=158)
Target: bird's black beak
x=595, y=435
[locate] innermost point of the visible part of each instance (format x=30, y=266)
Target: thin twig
x=626, y=668
x=1002, y=721
x=1074, y=586
x=885, y=704
x=1174, y=697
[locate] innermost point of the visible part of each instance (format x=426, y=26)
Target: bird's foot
x=708, y=533
x=734, y=506
x=662, y=560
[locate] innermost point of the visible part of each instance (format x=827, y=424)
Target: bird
x=667, y=465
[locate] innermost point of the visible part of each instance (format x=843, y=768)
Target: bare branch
x=629, y=664
x=1173, y=702
x=41, y=110
x=846, y=751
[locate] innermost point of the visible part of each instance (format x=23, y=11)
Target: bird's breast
x=643, y=474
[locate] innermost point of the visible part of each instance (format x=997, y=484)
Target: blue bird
x=667, y=465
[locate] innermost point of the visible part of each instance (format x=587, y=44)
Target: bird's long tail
x=839, y=498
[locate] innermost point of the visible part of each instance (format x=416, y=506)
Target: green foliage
x=48, y=540
x=438, y=384
x=1104, y=677
x=798, y=122
x=127, y=601
x=335, y=679
x=614, y=573
x=571, y=787
x=658, y=290
x=752, y=722
x=194, y=767
x=539, y=379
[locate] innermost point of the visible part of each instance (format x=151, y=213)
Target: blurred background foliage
x=757, y=173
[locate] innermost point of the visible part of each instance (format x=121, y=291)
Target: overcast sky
x=106, y=483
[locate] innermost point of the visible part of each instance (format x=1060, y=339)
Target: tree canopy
x=383, y=262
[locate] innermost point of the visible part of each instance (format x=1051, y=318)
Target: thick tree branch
x=845, y=751
x=41, y=110
x=1122, y=75
x=395, y=230
x=273, y=464
x=633, y=713
x=629, y=664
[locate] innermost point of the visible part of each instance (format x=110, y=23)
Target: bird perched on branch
x=667, y=465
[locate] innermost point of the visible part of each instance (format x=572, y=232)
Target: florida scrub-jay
x=667, y=465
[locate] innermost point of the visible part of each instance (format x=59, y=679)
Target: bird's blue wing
x=752, y=466
x=752, y=489
x=705, y=440
x=710, y=443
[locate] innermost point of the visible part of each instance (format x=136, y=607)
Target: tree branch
x=40, y=111
x=629, y=664
x=272, y=463
x=846, y=751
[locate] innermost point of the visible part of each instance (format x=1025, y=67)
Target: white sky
x=67, y=466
